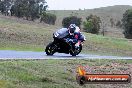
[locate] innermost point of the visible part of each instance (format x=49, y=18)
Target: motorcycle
x=61, y=46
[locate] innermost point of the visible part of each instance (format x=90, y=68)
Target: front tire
x=75, y=52
x=50, y=49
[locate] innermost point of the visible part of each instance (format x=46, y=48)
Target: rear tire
x=50, y=49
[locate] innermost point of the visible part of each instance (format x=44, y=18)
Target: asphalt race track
x=10, y=54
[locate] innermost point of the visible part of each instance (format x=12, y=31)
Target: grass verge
x=57, y=73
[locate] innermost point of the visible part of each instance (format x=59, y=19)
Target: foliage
x=92, y=24
x=71, y=20
x=127, y=23
x=29, y=9
x=5, y=5
x=48, y=18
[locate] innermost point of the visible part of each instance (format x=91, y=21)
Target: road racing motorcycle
x=61, y=46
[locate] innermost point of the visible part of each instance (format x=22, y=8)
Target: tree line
x=28, y=9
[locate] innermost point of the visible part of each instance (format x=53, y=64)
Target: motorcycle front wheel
x=76, y=51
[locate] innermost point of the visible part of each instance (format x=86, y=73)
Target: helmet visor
x=72, y=30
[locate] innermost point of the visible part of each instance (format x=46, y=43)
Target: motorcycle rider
x=71, y=34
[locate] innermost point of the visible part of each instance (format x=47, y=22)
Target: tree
x=92, y=24
x=71, y=20
x=48, y=18
x=112, y=22
x=127, y=24
x=103, y=27
x=5, y=6
x=30, y=9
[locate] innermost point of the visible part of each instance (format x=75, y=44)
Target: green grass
x=122, y=44
x=18, y=34
x=49, y=73
x=9, y=45
x=108, y=45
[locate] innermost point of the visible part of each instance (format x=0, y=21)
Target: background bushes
x=92, y=24
x=48, y=18
x=127, y=24
x=71, y=20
